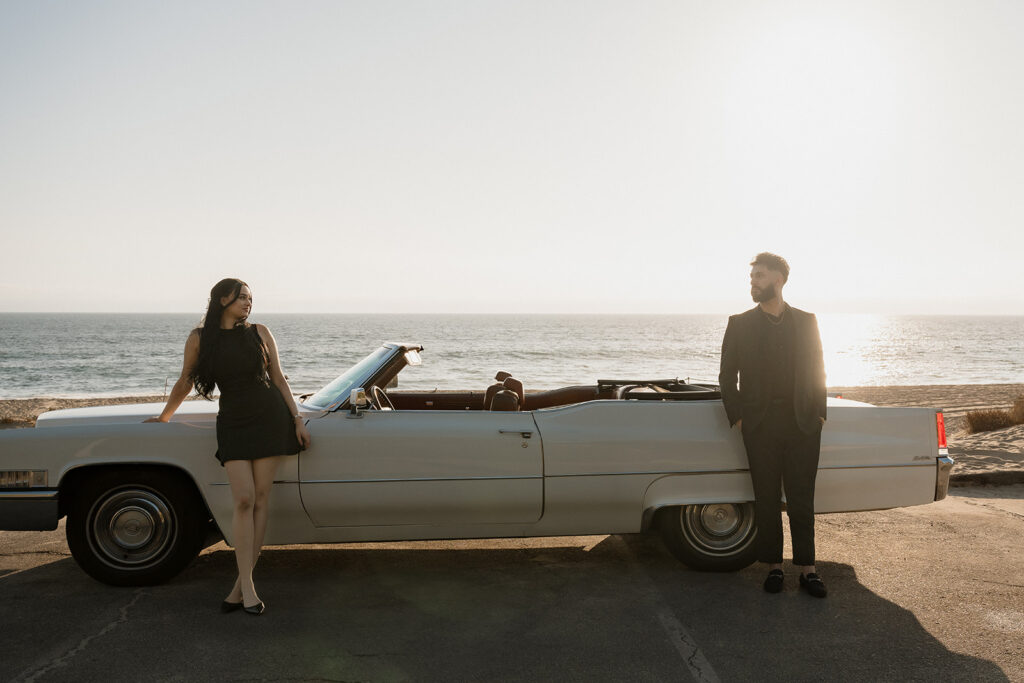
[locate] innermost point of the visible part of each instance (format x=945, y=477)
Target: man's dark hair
x=772, y=262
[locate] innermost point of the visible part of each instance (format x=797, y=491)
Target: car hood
x=189, y=411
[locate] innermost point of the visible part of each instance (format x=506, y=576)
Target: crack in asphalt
x=33, y=675
x=699, y=666
x=694, y=664
x=36, y=552
x=303, y=680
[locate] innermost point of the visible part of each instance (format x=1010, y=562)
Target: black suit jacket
x=743, y=360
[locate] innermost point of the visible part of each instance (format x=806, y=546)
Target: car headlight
x=22, y=479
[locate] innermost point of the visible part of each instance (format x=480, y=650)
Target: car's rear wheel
x=712, y=537
x=135, y=527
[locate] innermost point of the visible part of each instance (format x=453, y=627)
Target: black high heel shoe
x=227, y=607
x=255, y=610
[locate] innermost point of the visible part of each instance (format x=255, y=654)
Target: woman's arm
x=183, y=386
x=279, y=381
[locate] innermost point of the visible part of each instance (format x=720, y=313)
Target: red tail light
x=940, y=424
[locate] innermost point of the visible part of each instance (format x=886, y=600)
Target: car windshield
x=338, y=390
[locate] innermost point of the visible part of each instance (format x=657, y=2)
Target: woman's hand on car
x=303, y=434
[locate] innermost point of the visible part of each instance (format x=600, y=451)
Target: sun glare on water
x=851, y=345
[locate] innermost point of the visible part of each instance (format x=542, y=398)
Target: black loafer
x=773, y=584
x=813, y=584
x=255, y=610
x=226, y=606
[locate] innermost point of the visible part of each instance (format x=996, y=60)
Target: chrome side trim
x=698, y=472
x=368, y=481
x=874, y=467
x=689, y=473
x=943, y=465
x=660, y=472
x=375, y=481
x=28, y=495
x=276, y=481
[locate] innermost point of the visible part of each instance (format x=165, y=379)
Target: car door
x=422, y=467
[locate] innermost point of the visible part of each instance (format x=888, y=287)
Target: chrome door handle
x=525, y=435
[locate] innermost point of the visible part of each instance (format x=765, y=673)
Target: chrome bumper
x=32, y=510
x=944, y=465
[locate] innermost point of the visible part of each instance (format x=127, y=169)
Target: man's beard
x=761, y=295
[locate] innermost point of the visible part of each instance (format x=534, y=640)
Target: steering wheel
x=380, y=399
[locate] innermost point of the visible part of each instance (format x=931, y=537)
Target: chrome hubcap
x=719, y=520
x=131, y=528
x=718, y=528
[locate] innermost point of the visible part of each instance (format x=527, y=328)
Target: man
x=779, y=407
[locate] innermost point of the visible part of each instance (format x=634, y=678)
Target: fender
x=695, y=488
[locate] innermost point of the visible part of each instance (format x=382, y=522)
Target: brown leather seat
x=516, y=387
x=505, y=400
x=489, y=394
x=499, y=378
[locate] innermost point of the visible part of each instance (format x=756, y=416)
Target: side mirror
x=393, y=382
x=357, y=402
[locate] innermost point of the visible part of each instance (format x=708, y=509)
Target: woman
x=258, y=422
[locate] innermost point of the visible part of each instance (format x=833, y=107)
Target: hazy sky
x=509, y=156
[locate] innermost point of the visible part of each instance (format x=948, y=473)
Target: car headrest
x=501, y=375
x=489, y=395
x=505, y=400
x=515, y=386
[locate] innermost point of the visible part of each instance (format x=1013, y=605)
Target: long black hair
x=202, y=376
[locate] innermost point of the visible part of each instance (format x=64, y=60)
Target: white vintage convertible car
x=618, y=456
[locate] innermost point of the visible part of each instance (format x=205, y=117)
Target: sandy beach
x=22, y=412
x=987, y=458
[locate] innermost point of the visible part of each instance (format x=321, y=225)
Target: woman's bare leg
x=243, y=494
x=263, y=470
x=236, y=592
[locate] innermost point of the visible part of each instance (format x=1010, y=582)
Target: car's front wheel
x=712, y=537
x=135, y=527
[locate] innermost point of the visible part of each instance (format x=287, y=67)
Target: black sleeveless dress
x=254, y=421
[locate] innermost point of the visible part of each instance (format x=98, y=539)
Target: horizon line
x=499, y=313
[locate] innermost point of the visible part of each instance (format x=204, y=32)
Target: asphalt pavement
x=916, y=594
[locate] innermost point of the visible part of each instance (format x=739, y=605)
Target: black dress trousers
x=782, y=455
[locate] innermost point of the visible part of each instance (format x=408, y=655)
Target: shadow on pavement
x=852, y=635
x=420, y=613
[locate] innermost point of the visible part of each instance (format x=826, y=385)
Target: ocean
x=101, y=354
